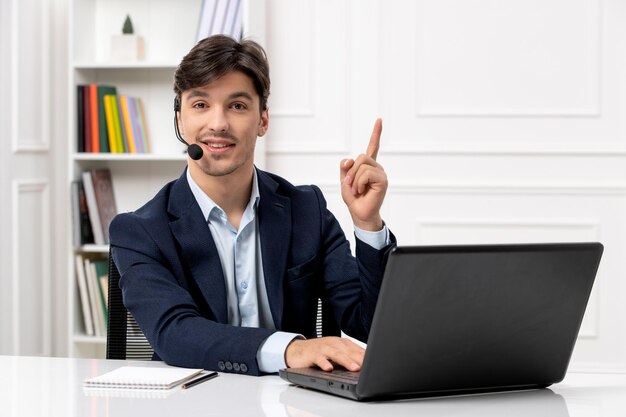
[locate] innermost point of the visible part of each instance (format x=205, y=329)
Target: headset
x=193, y=150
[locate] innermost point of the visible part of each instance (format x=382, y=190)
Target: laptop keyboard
x=341, y=375
x=349, y=376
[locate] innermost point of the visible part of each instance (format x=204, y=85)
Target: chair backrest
x=125, y=340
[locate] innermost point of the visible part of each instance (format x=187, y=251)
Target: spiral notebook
x=141, y=377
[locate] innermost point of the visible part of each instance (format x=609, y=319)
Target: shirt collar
x=207, y=205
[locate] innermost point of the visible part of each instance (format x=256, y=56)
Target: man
x=223, y=268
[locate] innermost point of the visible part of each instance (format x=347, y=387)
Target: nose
x=217, y=120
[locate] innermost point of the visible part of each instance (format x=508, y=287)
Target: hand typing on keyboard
x=324, y=352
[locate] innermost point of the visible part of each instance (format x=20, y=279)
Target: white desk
x=54, y=387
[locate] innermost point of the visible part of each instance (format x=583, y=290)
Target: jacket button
x=221, y=365
x=236, y=367
x=243, y=368
x=229, y=366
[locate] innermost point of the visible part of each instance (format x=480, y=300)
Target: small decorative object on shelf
x=128, y=46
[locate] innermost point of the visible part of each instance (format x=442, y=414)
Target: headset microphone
x=193, y=150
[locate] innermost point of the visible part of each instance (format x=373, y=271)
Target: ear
x=264, y=123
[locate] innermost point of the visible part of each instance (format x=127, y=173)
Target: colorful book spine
x=84, y=295
x=87, y=118
x=108, y=111
x=134, y=121
x=119, y=147
x=143, y=126
x=93, y=110
x=127, y=125
x=102, y=125
x=80, y=118
x=105, y=199
x=123, y=143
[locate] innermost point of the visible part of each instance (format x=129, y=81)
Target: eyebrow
x=237, y=94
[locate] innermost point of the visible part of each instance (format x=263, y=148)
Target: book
x=126, y=122
x=103, y=134
x=232, y=26
x=205, y=21
x=105, y=199
x=218, y=18
x=236, y=31
x=92, y=206
x=81, y=226
x=134, y=122
x=80, y=119
x=123, y=143
x=87, y=118
x=92, y=291
x=119, y=139
x=93, y=110
x=84, y=296
x=101, y=275
x=108, y=113
x=143, y=377
x=75, y=208
x=143, y=126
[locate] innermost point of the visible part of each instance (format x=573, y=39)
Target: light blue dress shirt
x=241, y=257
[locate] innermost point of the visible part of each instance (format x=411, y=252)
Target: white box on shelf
x=127, y=47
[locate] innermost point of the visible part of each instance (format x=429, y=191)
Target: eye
x=199, y=105
x=238, y=106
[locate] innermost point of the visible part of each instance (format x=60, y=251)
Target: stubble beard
x=214, y=170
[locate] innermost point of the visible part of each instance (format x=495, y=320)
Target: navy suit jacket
x=173, y=284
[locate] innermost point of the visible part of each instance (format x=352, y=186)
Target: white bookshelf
x=169, y=31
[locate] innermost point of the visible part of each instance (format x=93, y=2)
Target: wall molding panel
x=464, y=70
x=308, y=111
x=31, y=267
x=30, y=59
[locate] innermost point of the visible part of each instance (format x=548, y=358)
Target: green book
x=102, y=125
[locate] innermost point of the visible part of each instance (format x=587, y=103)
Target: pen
x=200, y=379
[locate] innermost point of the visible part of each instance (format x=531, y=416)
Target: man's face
x=224, y=119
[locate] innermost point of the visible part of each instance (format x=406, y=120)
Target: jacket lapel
x=198, y=249
x=275, y=228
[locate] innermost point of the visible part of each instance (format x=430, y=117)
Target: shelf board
x=91, y=248
x=94, y=340
x=125, y=65
x=85, y=156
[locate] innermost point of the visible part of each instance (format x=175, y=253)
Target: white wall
x=503, y=122
x=29, y=187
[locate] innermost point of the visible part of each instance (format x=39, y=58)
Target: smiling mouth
x=219, y=145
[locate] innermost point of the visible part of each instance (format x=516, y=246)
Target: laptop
x=454, y=320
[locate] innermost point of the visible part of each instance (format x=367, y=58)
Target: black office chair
x=125, y=340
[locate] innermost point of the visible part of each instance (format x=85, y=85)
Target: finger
x=324, y=364
x=361, y=180
x=344, y=168
x=374, y=144
x=356, y=165
x=347, y=362
x=361, y=164
x=350, y=357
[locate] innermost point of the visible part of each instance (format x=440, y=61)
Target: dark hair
x=219, y=55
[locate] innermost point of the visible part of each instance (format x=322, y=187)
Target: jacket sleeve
x=177, y=325
x=351, y=286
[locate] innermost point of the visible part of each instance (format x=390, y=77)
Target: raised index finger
x=374, y=145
